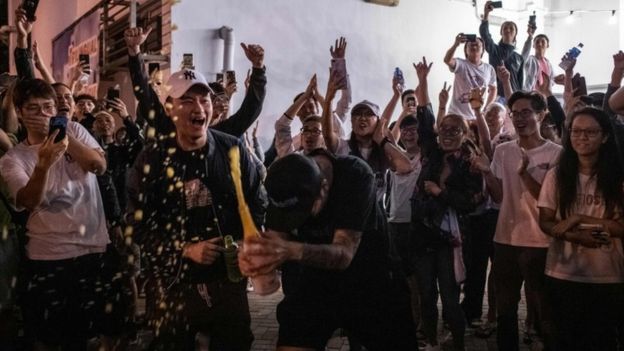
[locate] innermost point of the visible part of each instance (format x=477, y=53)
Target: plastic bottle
x=231, y=260
x=399, y=76
x=570, y=56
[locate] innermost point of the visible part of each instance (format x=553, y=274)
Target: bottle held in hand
x=570, y=56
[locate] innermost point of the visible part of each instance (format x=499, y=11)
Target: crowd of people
x=366, y=229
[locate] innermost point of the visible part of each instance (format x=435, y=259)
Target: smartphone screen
x=497, y=4
x=230, y=77
x=219, y=78
x=85, y=60
x=60, y=123
x=113, y=93
x=30, y=6
x=187, y=61
x=340, y=67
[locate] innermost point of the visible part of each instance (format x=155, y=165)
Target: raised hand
x=397, y=87
x=255, y=54
x=618, y=61
x=422, y=69
x=531, y=31
x=443, y=97
x=22, y=24
x=230, y=88
x=502, y=73
x=119, y=107
x=254, y=133
x=432, y=188
x=476, y=98
x=135, y=37
x=311, y=88
x=487, y=9
x=339, y=49
x=460, y=39
x=36, y=54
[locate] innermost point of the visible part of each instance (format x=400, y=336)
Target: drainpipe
x=227, y=34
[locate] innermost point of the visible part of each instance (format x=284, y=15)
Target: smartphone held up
x=58, y=123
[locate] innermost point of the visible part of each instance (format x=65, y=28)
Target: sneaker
x=485, y=330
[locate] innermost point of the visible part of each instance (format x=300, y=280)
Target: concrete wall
x=297, y=34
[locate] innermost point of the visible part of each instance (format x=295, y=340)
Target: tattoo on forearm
x=335, y=256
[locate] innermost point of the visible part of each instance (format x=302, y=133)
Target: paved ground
x=264, y=326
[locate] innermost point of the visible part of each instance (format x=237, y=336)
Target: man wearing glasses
x=514, y=180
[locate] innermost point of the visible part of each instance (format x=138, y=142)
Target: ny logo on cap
x=189, y=75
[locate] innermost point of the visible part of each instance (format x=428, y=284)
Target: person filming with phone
x=52, y=175
x=470, y=73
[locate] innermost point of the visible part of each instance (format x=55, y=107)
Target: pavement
x=265, y=328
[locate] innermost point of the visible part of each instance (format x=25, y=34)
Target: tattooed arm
x=264, y=254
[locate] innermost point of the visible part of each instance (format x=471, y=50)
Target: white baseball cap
x=180, y=82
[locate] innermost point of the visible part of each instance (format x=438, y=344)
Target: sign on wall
x=83, y=38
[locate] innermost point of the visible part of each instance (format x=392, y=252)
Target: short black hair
x=541, y=36
x=406, y=92
x=32, y=88
x=60, y=84
x=217, y=88
x=538, y=101
x=85, y=97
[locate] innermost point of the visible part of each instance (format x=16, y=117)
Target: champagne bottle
x=231, y=260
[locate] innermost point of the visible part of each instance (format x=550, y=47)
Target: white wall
x=297, y=34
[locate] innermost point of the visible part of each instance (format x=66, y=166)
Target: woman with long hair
x=580, y=205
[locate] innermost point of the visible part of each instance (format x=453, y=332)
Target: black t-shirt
x=351, y=205
x=199, y=216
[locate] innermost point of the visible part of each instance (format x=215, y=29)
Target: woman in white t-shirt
x=585, y=267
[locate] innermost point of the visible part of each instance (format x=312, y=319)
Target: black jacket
x=156, y=204
x=153, y=113
x=463, y=192
x=503, y=54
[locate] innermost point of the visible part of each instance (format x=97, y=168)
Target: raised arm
x=22, y=54
x=616, y=80
x=283, y=133
x=526, y=48
x=329, y=134
x=251, y=107
x=443, y=98
x=505, y=77
x=476, y=103
x=484, y=30
x=41, y=66
x=450, y=53
x=422, y=71
x=338, y=52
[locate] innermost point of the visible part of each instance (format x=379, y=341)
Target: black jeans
x=585, y=316
x=219, y=310
x=514, y=265
x=435, y=267
x=479, y=249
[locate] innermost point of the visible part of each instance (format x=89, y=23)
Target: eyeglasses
x=590, y=133
x=454, y=131
x=313, y=131
x=525, y=113
x=409, y=130
x=45, y=108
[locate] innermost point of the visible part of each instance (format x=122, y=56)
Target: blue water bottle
x=570, y=56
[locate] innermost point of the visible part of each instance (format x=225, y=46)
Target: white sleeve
x=548, y=193
x=82, y=134
x=459, y=65
x=283, y=137
x=492, y=81
x=15, y=176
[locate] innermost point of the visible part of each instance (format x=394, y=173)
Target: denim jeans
x=435, y=267
x=514, y=265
